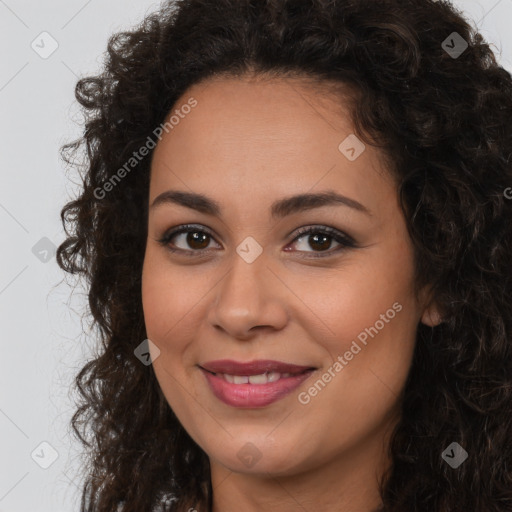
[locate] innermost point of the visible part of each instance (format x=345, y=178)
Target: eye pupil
x=324, y=244
x=194, y=236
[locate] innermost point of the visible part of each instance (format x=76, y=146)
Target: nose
x=248, y=299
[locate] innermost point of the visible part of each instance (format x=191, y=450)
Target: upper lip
x=256, y=367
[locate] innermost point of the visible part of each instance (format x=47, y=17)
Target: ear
x=431, y=316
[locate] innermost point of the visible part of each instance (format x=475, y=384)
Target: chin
x=258, y=457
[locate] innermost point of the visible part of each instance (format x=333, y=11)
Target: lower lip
x=253, y=395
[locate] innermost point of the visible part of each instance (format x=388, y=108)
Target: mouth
x=255, y=384
x=253, y=368
x=257, y=379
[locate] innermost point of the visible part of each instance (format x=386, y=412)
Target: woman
x=296, y=236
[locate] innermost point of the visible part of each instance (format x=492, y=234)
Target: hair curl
x=446, y=126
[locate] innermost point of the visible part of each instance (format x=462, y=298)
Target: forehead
x=278, y=110
x=262, y=139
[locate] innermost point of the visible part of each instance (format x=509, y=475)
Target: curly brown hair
x=445, y=123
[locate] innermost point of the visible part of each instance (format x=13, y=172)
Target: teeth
x=259, y=379
x=263, y=378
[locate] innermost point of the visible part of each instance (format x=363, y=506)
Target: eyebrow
x=279, y=209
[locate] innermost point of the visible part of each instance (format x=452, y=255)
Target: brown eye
x=197, y=239
x=187, y=238
x=320, y=240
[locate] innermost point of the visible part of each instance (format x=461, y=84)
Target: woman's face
x=245, y=285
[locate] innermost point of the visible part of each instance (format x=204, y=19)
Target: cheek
x=173, y=300
x=167, y=296
x=371, y=312
x=373, y=318
x=355, y=296
x=166, y=302
x=156, y=303
x=162, y=303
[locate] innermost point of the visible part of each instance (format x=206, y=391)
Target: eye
x=195, y=240
x=320, y=238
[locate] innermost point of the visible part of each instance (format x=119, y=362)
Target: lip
x=256, y=367
x=249, y=395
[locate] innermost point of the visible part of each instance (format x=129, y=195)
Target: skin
x=248, y=143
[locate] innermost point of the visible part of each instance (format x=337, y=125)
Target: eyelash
x=345, y=241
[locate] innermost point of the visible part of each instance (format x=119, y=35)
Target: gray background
x=44, y=343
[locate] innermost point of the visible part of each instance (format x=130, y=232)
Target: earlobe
x=431, y=316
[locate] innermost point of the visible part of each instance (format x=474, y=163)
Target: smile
x=253, y=391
